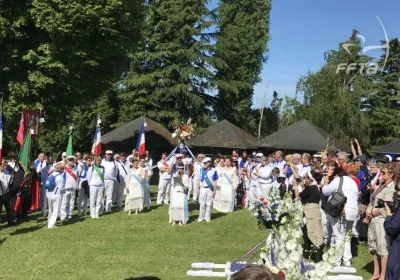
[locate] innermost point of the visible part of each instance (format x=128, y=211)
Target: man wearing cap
x=70, y=178
x=207, y=184
x=164, y=182
x=263, y=172
x=54, y=196
x=110, y=176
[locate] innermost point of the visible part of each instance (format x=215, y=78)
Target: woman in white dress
x=178, y=207
x=134, y=188
x=219, y=166
x=229, y=183
x=146, y=186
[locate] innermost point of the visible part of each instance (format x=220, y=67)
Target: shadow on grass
x=193, y=218
x=369, y=267
x=74, y=220
x=28, y=229
x=2, y=240
x=143, y=278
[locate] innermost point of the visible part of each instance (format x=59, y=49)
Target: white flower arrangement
x=283, y=252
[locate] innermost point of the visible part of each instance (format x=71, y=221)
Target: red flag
x=35, y=196
x=17, y=205
x=21, y=130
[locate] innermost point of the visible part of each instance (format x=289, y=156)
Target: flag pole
x=1, y=128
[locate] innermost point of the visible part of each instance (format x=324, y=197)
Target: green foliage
x=62, y=56
x=332, y=98
x=384, y=113
x=243, y=34
x=171, y=71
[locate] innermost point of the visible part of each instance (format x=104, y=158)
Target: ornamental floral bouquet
x=271, y=210
x=184, y=131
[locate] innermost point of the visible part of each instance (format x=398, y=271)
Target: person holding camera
x=392, y=228
x=378, y=241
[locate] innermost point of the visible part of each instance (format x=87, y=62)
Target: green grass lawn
x=118, y=246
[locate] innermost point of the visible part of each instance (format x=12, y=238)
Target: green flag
x=25, y=152
x=69, y=147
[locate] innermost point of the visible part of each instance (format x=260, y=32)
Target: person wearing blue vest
x=207, y=184
x=54, y=193
x=84, y=186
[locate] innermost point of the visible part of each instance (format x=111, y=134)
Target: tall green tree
x=243, y=34
x=62, y=55
x=384, y=111
x=171, y=72
x=333, y=96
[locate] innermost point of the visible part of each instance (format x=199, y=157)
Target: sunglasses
x=71, y=159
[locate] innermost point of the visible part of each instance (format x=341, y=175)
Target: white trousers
x=326, y=227
x=205, y=200
x=163, y=189
x=119, y=193
x=82, y=201
x=263, y=189
x=96, y=200
x=252, y=193
x=54, y=203
x=43, y=200
x=108, y=189
x=67, y=204
x=340, y=227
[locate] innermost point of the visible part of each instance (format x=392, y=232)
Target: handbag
x=336, y=204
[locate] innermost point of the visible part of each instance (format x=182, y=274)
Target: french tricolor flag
x=140, y=146
x=96, y=148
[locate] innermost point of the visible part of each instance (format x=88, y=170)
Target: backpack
x=336, y=204
x=50, y=184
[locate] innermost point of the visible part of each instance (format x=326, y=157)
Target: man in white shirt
x=96, y=183
x=280, y=163
x=55, y=194
x=70, y=178
x=263, y=172
x=164, y=183
x=197, y=166
x=110, y=177
x=343, y=224
x=120, y=184
x=207, y=184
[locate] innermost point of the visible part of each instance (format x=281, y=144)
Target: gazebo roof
x=224, y=134
x=391, y=148
x=303, y=136
x=126, y=136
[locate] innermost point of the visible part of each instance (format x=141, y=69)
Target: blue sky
x=302, y=30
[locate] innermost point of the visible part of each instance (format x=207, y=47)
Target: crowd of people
x=369, y=186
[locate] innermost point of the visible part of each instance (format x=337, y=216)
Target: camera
x=393, y=205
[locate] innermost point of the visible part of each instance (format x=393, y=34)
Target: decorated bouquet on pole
x=184, y=131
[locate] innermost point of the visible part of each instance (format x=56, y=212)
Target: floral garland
x=283, y=252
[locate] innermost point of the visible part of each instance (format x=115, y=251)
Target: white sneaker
x=166, y=202
x=200, y=220
x=208, y=221
x=97, y=217
x=347, y=264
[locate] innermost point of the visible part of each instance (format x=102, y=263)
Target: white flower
x=284, y=236
x=295, y=256
x=263, y=255
x=291, y=245
x=297, y=234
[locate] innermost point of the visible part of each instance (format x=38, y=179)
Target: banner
x=29, y=121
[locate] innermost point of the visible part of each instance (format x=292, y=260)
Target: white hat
x=207, y=159
x=64, y=154
x=389, y=158
x=316, y=156
x=259, y=155
x=70, y=157
x=178, y=155
x=109, y=152
x=298, y=156
x=398, y=159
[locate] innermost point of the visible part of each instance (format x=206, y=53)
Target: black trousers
x=6, y=201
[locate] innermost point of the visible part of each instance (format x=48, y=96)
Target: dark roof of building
x=303, y=136
x=224, y=134
x=391, y=148
x=126, y=136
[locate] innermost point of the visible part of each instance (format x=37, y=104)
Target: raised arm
x=353, y=150
x=358, y=147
